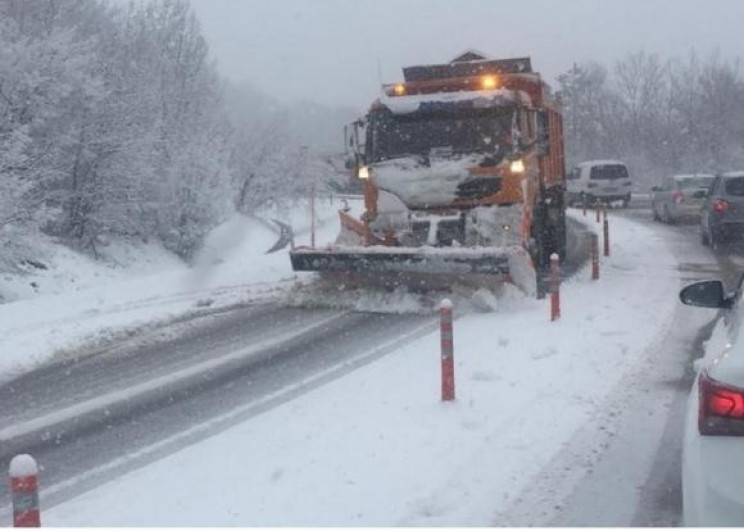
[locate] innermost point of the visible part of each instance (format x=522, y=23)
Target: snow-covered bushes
x=113, y=123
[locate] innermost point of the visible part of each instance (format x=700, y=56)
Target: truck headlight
x=363, y=172
x=517, y=166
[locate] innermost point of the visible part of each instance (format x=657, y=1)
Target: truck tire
x=549, y=228
x=548, y=234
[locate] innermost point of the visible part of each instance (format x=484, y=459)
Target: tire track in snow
x=217, y=394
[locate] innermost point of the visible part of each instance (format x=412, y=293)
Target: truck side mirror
x=350, y=147
x=542, y=130
x=354, y=139
x=351, y=163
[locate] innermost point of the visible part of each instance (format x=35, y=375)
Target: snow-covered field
x=377, y=448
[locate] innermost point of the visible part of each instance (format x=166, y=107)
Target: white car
x=594, y=181
x=680, y=197
x=713, y=449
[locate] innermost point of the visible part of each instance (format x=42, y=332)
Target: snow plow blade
x=426, y=268
x=420, y=268
x=395, y=260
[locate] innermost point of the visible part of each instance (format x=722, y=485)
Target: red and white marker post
x=24, y=487
x=555, y=287
x=595, y=256
x=606, y=228
x=448, y=359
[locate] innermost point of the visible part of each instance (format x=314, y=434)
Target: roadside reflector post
x=555, y=287
x=584, y=206
x=597, y=208
x=594, y=245
x=448, y=361
x=24, y=488
x=606, y=227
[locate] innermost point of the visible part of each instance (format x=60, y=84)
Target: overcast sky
x=332, y=50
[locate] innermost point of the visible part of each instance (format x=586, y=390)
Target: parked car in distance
x=713, y=443
x=722, y=217
x=605, y=181
x=680, y=197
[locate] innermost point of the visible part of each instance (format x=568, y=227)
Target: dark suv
x=723, y=212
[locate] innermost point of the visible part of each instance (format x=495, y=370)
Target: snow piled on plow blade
x=509, y=264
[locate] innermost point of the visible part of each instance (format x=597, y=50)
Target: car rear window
x=609, y=171
x=735, y=186
x=695, y=182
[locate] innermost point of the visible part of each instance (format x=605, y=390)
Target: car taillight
x=678, y=197
x=720, y=206
x=721, y=408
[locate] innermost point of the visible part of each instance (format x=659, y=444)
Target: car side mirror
x=706, y=294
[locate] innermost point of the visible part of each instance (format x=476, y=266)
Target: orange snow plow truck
x=463, y=175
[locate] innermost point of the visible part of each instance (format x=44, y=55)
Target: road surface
x=629, y=460
x=90, y=420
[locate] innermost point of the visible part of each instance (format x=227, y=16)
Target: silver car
x=723, y=213
x=680, y=197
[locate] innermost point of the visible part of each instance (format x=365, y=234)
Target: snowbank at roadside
x=377, y=448
x=75, y=302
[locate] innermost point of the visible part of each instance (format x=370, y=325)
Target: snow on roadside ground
x=377, y=448
x=79, y=302
x=45, y=267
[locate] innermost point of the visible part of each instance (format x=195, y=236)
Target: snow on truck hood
x=419, y=185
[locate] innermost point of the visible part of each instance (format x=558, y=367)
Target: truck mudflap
x=511, y=264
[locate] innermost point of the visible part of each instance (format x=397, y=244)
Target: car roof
x=601, y=162
x=683, y=176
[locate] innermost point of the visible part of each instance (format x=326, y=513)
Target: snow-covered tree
x=660, y=116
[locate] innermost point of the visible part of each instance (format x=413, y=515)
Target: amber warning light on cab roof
x=488, y=82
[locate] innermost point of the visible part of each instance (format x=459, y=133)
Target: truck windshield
x=441, y=134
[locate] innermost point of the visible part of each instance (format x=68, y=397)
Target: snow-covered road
x=161, y=394
x=542, y=408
